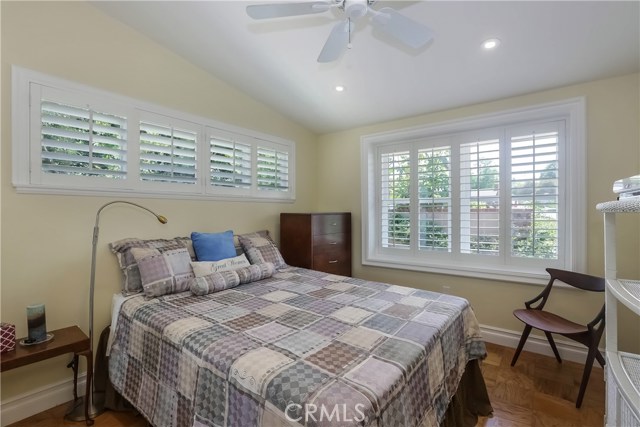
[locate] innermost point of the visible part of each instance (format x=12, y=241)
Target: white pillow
x=204, y=268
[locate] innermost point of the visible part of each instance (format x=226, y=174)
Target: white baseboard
x=569, y=350
x=23, y=406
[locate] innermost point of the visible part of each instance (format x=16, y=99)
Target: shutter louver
x=81, y=141
x=395, y=214
x=434, y=196
x=167, y=154
x=534, y=195
x=230, y=164
x=272, y=169
x=480, y=197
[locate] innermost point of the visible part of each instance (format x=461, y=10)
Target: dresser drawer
x=330, y=224
x=330, y=243
x=333, y=263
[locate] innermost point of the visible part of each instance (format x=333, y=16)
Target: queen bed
x=290, y=346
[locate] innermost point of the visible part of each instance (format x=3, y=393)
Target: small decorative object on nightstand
x=318, y=241
x=7, y=337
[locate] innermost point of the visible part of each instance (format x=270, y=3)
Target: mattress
x=299, y=348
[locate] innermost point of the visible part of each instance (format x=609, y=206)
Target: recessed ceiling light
x=490, y=44
x=339, y=88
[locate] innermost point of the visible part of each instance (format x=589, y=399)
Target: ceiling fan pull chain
x=349, y=30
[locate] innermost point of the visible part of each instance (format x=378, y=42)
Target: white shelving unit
x=623, y=369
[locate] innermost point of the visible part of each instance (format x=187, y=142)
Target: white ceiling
x=544, y=45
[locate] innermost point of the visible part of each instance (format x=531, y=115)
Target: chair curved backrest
x=578, y=280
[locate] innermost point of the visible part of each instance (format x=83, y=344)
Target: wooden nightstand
x=66, y=340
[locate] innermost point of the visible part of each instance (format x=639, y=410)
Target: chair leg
x=523, y=339
x=600, y=359
x=586, y=374
x=552, y=343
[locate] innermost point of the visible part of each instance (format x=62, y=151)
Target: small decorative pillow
x=255, y=272
x=213, y=246
x=131, y=281
x=222, y=280
x=214, y=282
x=163, y=273
x=260, y=248
x=202, y=268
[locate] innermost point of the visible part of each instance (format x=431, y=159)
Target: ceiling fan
x=405, y=30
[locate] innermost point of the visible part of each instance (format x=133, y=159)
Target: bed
x=299, y=347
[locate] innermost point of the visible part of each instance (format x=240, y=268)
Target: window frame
x=572, y=158
x=27, y=176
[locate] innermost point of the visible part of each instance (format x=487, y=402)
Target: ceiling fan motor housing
x=355, y=8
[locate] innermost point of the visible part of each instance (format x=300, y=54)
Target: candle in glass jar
x=36, y=322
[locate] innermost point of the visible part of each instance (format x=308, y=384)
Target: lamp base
x=76, y=409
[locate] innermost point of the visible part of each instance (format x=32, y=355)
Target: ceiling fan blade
x=278, y=10
x=336, y=43
x=406, y=30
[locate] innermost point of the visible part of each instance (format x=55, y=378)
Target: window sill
x=48, y=190
x=536, y=276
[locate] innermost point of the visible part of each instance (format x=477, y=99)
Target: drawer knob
x=334, y=261
x=333, y=224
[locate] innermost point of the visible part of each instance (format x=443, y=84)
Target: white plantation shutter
x=395, y=206
x=535, y=184
x=167, y=153
x=230, y=163
x=480, y=226
x=82, y=141
x=272, y=166
x=434, y=198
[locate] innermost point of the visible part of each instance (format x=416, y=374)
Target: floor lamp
x=96, y=408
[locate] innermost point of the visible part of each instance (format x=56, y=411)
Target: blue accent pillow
x=213, y=246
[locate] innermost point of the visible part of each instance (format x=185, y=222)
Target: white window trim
x=22, y=150
x=573, y=110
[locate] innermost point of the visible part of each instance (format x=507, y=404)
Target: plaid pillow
x=259, y=248
x=222, y=280
x=214, y=282
x=131, y=281
x=162, y=273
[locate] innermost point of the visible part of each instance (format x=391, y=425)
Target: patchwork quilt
x=300, y=348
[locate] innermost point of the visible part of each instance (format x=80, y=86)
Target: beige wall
x=47, y=239
x=613, y=149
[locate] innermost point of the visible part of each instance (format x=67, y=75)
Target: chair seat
x=549, y=322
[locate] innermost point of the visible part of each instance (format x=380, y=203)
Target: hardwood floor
x=537, y=392
x=540, y=392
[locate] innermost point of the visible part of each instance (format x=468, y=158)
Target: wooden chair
x=549, y=323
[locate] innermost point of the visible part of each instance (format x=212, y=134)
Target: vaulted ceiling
x=544, y=44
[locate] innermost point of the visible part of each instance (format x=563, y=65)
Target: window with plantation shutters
x=494, y=201
x=535, y=204
x=168, y=153
x=272, y=166
x=395, y=207
x=83, y=141
x=480, y=197
x=86, y=141
x=230, y=163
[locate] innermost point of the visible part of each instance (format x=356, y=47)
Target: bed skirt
x=470, y=401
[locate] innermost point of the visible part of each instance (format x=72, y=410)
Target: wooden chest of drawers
x=318, y=241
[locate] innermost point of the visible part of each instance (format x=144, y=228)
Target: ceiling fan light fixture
x=339, y=88
x=490, y=44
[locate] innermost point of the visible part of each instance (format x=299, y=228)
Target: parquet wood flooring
x=537, y=392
